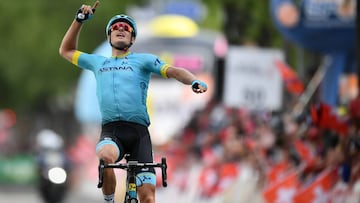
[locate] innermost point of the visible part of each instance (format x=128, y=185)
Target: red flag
x=277, y=171
x=228, y=174
x=332, y=122
x=319, y=190
x=305, y=152
x=325, y=116
x=314, y=115
x=354, y=108
x=282, y=191
x=208, y=179
x=342, y=128
x=292, y=82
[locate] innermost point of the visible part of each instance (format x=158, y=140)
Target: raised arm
x=187, y=78
x=69, y=42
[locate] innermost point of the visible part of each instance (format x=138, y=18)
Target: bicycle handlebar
x=132, y=165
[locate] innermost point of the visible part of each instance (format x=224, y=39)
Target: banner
x=252, y=79
x=19, y=169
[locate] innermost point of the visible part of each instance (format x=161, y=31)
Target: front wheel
x=133, y=200
x=130, y=200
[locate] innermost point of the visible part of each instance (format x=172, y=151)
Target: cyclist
x=122, y=83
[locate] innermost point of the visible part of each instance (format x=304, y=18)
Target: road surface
x=28, y=194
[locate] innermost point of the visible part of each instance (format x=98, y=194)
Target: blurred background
x=280, y=122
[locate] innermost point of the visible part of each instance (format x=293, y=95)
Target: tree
x=244, y=22
x=32, y=72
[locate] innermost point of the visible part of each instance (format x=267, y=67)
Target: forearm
x=70, y=40
x=181, y=75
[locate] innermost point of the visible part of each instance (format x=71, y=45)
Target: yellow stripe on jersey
x=75, y=57
x=163, y=70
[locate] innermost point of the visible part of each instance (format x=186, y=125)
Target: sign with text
x=252, y=80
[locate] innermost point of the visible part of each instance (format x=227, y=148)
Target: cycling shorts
x=133, y=140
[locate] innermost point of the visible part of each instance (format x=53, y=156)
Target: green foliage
x=245, y=21
x=31, y=31
x=214, y=19
x=33, y=73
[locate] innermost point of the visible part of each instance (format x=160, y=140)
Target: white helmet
x=48, y=139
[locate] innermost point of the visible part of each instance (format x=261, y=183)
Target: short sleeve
x=85, y=61
x=156, y=65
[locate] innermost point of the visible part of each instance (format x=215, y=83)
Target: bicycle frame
x=131, y=167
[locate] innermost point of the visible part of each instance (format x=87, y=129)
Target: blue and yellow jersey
x=122, y=83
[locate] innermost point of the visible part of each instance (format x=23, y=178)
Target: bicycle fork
x=131, y=190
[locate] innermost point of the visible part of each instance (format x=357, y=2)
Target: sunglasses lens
x=117, y=26
x=114, y=27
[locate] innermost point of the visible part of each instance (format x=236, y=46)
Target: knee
x=148, y=198
x=147, y=193
x=107, y=153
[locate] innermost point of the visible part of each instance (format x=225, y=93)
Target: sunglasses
x=118, y=25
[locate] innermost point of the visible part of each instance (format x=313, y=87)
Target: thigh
x=109, y=139
x=142, y=150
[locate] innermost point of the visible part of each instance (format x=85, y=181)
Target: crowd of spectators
x=273, y=144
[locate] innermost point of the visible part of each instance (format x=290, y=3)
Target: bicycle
x=131, y=167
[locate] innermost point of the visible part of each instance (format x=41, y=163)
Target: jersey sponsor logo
x=106, y=62
x=144, y=178
x=157, y=62
x=125, y=61
x=107, y=69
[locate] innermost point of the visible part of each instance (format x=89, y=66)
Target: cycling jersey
x=122, y=83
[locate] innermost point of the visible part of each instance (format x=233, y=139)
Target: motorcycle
x=53, y=167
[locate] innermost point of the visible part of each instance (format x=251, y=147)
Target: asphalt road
x=28, y=194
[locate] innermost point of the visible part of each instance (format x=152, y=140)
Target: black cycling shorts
x=132, y=139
